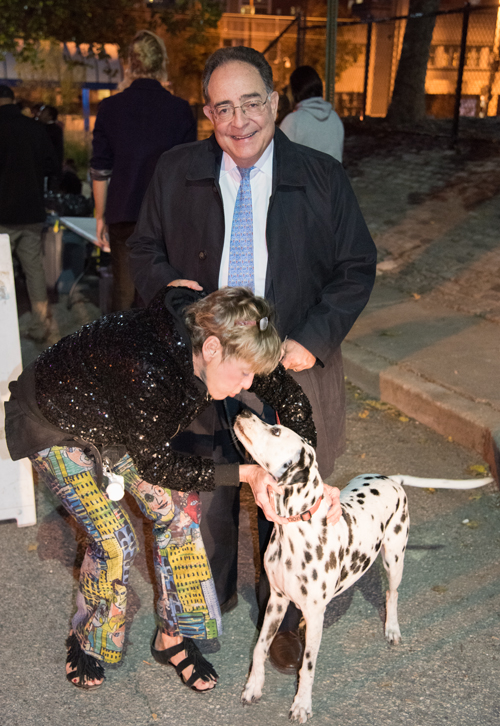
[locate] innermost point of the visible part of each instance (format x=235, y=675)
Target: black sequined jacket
x=127, y=379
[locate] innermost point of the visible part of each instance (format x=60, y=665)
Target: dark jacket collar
x=287, y=164
x=146, y=83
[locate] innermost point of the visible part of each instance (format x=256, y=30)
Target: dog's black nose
x=246, y=413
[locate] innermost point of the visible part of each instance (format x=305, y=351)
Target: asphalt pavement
x=429, y=339
x=445, y=671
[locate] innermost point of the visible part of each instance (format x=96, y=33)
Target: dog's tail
x=418, y=481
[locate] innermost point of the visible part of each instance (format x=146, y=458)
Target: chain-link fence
x=463, y=69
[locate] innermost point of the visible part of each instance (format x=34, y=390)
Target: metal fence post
x=299, y=48
x=367, y=65
x=461, y=66
x=331, y=50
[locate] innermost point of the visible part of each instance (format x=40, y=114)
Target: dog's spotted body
x=310, y=562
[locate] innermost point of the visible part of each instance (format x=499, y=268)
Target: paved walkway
x=429, y=339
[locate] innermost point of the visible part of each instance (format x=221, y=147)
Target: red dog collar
x=306, y=516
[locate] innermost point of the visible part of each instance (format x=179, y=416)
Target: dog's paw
x=393, y=634
x=300, y=711
x=251, y=694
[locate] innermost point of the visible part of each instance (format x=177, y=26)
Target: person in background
x=26, y=158
x=48, y=116
x=313, y=122
x=35, y=110
x=132, y=130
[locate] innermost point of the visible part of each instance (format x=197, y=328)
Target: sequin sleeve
x=127, y=379
x=285, y=395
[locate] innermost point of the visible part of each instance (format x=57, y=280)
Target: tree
x=82, y=21
x=408, y=97
x=192, y=36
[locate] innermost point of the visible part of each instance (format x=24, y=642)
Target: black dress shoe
x=211, y=645
x=286, y=651
x=230, y=604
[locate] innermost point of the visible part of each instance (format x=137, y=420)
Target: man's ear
x=208, y=113
x=274, y=100
x=211, y=347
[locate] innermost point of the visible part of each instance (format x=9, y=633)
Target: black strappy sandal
x=84, y=667
x=201, y=667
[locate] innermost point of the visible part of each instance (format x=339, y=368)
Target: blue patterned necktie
x=241, y=271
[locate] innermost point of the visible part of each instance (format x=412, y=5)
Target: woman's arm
x=280, y=391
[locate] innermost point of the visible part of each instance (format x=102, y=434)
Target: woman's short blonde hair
x=242, y=323
x=147, y=58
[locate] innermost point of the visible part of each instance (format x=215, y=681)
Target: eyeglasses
x=250, y=109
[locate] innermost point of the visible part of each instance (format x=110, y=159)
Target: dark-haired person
x=314, y=122
x=132, y=129
x=113, y=395
x=26, y=158
x=48, y=116
x=249, y=205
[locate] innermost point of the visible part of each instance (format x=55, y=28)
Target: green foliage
x=81, y=21
x=192, y=36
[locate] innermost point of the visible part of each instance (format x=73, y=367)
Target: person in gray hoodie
x=313, y=122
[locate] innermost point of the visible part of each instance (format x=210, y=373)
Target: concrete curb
x=473, y=425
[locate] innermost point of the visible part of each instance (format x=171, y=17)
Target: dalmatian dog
x=310, y=562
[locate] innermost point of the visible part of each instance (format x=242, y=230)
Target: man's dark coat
x=321, y=264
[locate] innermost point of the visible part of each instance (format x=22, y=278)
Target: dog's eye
x=276, y=431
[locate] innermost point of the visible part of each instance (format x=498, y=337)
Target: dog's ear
x=298, y=471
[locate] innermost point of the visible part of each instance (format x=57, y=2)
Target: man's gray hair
x=242, y=54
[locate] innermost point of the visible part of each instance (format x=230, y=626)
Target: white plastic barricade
x=17, y=497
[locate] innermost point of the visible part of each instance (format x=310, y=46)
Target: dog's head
x=278, y=449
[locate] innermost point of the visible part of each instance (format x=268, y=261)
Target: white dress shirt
x=261, y=181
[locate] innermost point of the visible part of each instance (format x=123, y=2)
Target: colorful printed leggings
x=187, y=603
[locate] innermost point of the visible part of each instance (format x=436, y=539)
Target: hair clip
x=263, y=323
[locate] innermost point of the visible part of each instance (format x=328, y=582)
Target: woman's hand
x=185, y=283
x=262, y=485
x=332, y=496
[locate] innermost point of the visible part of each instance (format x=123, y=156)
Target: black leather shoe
x=286, y=651
x=230, y=604
x=211, y=645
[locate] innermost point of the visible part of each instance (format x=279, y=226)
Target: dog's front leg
x=302, y=703
x=275, y=612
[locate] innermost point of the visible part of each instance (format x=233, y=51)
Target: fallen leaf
x=363, y=456
x=440, y=589
x=389, y=333
x=475, y=496
x=477, y=469
x=364, y=414
x=405, y=419
x=33, y=547
x=450, y=439
x=416, y=296
x=431, y=490
x=154, y=716
x=147, y=662
x=387, y=684
x=380, y=405
x=473, y=524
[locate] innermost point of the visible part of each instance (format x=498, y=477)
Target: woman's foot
x=163, y=642
x=82, y=670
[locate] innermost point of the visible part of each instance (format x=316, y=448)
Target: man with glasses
x=249, y=207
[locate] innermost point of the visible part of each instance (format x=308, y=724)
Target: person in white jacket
x=313, y=122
